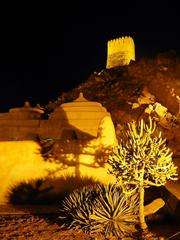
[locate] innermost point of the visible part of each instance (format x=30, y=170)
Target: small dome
x=81, y=105
x=81, y=101
x=81, y=98
x=26, y=108
x=25, y=113
x=80, y=114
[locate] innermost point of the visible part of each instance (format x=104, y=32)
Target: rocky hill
x=142, y=88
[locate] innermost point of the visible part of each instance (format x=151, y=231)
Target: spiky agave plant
x=77, y=207
x=115, y=213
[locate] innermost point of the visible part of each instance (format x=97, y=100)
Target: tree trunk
x=142, y=221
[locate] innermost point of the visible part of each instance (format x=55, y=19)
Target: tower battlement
x=120, y=51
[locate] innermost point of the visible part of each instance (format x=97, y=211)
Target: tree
x=141, y=161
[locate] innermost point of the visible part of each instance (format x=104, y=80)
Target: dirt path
x=24, y=226
x=40, y=223
x=33, y=223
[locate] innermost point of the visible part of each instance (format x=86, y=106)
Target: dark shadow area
x=42, y=198
x=169, y=228
x=46, y=191
x=166, y=221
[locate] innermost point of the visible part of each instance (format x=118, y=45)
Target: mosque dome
x=81, y=114
x=26, y=112
x=80, y=108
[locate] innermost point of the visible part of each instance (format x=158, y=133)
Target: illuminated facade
x=77, y=120
x=83, y=133
x=120, y=52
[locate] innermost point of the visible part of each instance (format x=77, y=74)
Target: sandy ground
x=20, y=227
x=41, y=224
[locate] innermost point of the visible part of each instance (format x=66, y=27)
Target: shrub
x=101, y=210
x=77, y=208
x=114, y=213
x=143, y=160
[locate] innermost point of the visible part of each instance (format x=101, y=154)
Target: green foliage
x=101, y=210
x=114, y=212
x=143, y=159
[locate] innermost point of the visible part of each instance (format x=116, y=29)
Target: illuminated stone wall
x=81, y=119
x=20, y=123
x=83, y=132
x=120, y=52
x=21, y=161
x=15, y=130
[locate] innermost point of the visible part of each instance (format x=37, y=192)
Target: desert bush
x=143, y=160
x=102, y=209
x=77, y=208
x=114, y=213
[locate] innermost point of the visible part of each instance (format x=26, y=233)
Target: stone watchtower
x=120, y=51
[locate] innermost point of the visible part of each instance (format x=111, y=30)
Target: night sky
x=45, y=51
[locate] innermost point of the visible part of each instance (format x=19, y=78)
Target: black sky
x=45, y=51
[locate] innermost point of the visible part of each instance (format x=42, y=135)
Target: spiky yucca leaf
x=77, y=208
x=114, y=213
